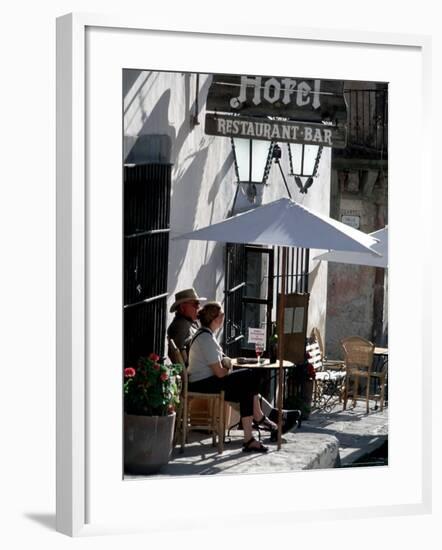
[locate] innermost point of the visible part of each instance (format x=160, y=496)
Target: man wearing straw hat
x=184, y=324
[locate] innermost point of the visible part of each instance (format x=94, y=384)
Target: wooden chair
x=359, y=365
x=212, y=419
x=328, y=381
x=330, y=364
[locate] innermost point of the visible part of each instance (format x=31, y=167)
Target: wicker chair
x=359, y=364
x=211, y=419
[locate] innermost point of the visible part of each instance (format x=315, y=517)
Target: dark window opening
x=296, y=269
x=253, y=280
x=367, y=115
x=146, y=249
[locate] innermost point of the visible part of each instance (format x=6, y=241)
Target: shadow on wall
x=207, y=274
x=136, y=86
x=130, y=76
x=215, y=188
x=206, y=277
x=141, y=148
x=159, y=141
x=152, y=145
x=313, y=275
x=136, y=89
x=187, y=190
x=188, y=124
x=185, y=195
x=133, y=82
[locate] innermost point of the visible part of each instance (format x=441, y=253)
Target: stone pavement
x=357, y=432
x=326, y=440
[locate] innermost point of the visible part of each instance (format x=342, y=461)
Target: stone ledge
x=299, y=451
x=325, y=440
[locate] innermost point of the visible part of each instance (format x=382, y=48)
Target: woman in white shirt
x=210, y=372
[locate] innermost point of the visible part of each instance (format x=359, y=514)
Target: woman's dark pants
x=240, y=386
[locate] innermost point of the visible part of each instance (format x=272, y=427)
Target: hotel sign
x=286, y=109
x=299, y=99
x=275, y=130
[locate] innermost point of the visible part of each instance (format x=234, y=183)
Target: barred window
x=146, y=249
x=253, y=281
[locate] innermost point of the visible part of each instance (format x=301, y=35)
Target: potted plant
x=151, y=396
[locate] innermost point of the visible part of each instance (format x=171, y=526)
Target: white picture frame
x=91, y=52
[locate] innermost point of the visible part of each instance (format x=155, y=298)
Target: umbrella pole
x=281, y=345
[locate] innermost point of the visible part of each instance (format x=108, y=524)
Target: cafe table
x=252, y=363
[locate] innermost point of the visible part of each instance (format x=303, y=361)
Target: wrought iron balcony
x=367, y=124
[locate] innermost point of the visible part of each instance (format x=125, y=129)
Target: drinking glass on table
x=259, y=350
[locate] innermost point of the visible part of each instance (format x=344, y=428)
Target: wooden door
x=295, y=326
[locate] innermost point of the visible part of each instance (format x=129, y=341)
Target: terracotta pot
x=148, y=442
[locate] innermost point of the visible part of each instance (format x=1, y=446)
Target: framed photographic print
x=167, y=139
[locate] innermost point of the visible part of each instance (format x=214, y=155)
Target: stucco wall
x=203, y=179
x=352, y=308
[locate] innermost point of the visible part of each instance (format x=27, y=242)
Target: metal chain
x=318, y=158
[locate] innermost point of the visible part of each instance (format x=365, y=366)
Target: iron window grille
x=245, y=307
x=146, y=248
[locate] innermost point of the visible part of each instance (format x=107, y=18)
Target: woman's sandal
x=248, y=447
x=265, y=423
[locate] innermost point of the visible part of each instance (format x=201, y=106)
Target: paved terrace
x=326, y=440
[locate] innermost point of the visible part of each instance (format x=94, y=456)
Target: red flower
x=154, y=357
x=164, y=376
x=129, y=372
x=156, y=366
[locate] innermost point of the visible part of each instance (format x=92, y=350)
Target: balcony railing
x=367, y=123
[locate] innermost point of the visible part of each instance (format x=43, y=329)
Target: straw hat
x=187, y=295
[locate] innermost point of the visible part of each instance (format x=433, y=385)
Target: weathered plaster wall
x=352, y=308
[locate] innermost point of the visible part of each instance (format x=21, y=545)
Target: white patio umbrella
x=285, y=223
x=362, y=258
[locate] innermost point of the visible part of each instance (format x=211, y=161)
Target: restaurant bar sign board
x=275, y=130
x=277, y=109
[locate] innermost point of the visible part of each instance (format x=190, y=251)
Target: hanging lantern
x=252, y=161
x=304, y=163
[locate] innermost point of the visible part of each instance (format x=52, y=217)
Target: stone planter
x=148, y=442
